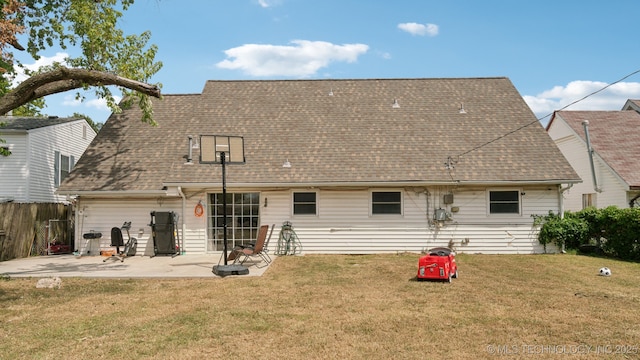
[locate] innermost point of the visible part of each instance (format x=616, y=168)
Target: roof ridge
x=361, y=79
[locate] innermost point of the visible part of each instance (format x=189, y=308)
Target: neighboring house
x=632, y=105
x=614, y=178
x=43, y=152
x=357, y=166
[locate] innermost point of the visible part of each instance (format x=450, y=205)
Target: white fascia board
x=365, y=184
x=114, y=193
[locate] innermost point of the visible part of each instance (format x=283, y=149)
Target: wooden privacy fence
x=25, y=228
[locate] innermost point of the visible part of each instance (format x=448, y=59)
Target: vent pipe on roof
x=585, y=124
x=190, y=153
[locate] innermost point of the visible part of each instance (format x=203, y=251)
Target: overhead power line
x=448, y=163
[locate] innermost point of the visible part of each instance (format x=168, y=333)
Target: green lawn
x=337, y=307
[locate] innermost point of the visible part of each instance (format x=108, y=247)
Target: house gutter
x=172, y=187
x=366, y=184
x=113, y=193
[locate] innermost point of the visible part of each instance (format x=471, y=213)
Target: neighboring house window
x=504, y=202
x=304, y=203
x=84, y=132
x=386, y=202
x=62, y=165
x=588, y=200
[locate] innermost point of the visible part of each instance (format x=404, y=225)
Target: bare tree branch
x=64, y=79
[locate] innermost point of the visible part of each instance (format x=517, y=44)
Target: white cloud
x=70, y=100
x=612, y=98
x=301, y=59
x=419, y=29
x=43, y=61
x=269, y=3
x=101, y=104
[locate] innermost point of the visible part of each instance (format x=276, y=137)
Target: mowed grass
x=336, y=307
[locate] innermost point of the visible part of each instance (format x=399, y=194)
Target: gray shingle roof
x=351, y=136
x=30, y=123
x=614, y=135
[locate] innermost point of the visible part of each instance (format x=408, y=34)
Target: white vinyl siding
x=14, y=169
x=101, y=215
x=29, y=175
x=343, y=224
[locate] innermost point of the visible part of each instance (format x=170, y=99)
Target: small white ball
x=605, y=271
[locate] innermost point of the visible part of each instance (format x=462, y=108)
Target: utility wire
x=538, y=120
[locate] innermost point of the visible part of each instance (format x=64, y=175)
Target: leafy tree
x=94, y=125
x=107, y=57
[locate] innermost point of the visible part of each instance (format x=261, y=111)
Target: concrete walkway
x=182, y=266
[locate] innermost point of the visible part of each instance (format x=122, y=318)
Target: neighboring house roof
x=333, y=132
x=14, y=123
x=615, y=137
x=632, y=105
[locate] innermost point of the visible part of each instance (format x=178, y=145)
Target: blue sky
x=554, y=51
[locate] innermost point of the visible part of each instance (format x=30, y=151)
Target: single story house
x=43, y=152
x=606, y=159
x=356, y=166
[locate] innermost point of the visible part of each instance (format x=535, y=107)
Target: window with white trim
x=62, y=165
x=243, y=220
x=504, y=202
x=386, y=203
x=305, y=203
x=588, y=200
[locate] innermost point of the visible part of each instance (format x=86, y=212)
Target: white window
x=243, y=220
x=504, y=202
x=62, y=165
x=305, y=203
x=588, y=200
x=386, y=203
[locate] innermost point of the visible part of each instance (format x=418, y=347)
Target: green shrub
x=569, y=232
x=616, y=231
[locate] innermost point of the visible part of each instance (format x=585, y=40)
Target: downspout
x=561, y=191
x=585, y=124
x=182, y=223
x=77, y=233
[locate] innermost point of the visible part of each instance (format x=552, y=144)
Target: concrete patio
x=182, y=266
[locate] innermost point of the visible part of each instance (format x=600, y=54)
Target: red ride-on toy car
x=438, y=264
